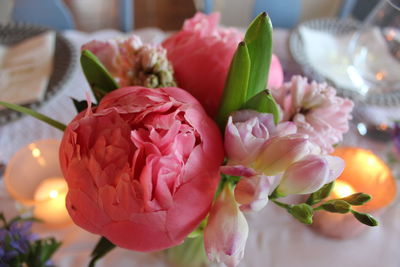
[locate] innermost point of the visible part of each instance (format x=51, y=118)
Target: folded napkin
x=25, y=69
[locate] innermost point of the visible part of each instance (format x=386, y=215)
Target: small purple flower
x=15, y=239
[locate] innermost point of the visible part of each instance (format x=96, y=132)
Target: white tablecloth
x=275, y=240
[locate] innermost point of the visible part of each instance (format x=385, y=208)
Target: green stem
x=281, y=204
x=35, y=114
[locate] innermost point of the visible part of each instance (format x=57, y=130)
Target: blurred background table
x=276, y=239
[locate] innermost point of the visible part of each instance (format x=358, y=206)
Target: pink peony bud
x=226, y=232
x=252, y=192
x=310, y=174
x=280, y=152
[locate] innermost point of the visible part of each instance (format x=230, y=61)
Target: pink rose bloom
x=142, y=168
x=201, y=54
x=316, y=110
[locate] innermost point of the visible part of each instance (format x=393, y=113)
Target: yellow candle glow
x=364, y=172
x=342, y=189
x=50, y=201
x=367, y=173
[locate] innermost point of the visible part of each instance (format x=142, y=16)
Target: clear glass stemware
x=374, y=51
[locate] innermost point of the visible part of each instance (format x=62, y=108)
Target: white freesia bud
x=310, y=174
x=226, y=232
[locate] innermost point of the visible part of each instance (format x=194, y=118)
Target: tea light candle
x=364, y=172
x=50, y=201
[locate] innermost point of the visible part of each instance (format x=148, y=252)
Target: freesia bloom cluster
x=133, y=63
x=316, y=111
x=268, y=157
x=287, y=158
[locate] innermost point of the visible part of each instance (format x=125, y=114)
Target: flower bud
x=226, y=232
x=310, y=174
x=244, y=139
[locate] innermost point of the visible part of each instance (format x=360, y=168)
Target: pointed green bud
x=265, y=103
x=365, y=218
x=236, y=85
x=259, y=41
x=98, y=77
x=357, y=199
x=321, y=194
x=337, y=206
x=302, y=212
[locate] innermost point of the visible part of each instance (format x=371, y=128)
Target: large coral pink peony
x=316, y=111
x=142, y=168
x=201, y=54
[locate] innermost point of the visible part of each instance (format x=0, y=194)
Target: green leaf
x=80, y=105
x=321, y=194
x=259, y=42
x=35, y=114
x=264, y=102
x=199, y=230
x=365, y=218
x=302, y=212
x=337, y=206
x=236, y=85
x=190, y=253
x=98, y=77
x=102, y=248
x=49, y=247
x=357, y=199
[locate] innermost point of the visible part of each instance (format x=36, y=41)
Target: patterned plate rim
x=63, y=63
x=336, y=26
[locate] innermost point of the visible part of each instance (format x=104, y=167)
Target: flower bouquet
x=184, y=138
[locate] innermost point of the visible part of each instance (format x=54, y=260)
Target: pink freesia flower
x=316, y=110
x=247, y=133
x=226, y=232
x=266, y=155
x=131, y=62
x=252, y=192
x=201, y=54
x=142, y=168
x=310, y=174
x=280, y=152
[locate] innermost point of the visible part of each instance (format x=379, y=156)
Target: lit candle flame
x=36, y=152
x=342, y=189
x=53, y=194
